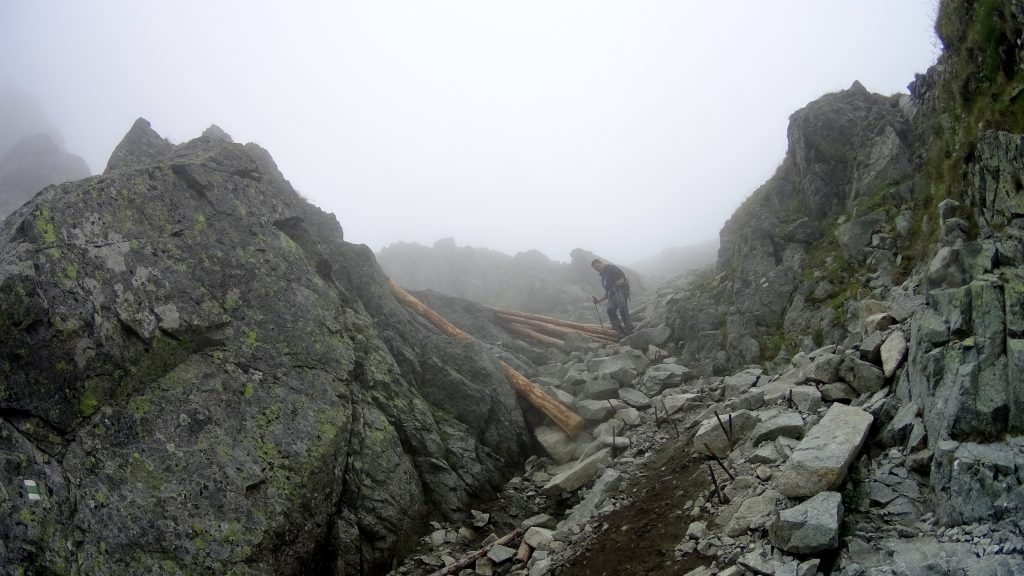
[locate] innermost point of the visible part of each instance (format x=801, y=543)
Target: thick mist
x=624, y=128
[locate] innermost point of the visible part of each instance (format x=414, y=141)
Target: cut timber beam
x=586, y=328
x=535, y=336
x=559, y=332
x=565, y=418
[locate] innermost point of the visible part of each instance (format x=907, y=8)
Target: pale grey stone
x=500, y=553
x=608, y=483
x=594, y=410
x=662, y=376
x=555, y=442
x=580, y=474
x=810, y=527
x=894, y=350
x=750, y=510
x=862, y=376
x=634, y=398
x=629, y=416
x=822, y=458
x=789, y=424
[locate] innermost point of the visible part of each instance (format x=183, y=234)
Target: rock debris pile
x=822, y=467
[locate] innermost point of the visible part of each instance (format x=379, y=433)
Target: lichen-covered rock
x=203, y=376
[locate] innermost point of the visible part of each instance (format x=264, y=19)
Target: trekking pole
x=598, y=311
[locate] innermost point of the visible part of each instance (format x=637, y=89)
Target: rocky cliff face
x=528, y=281
x=199, y=375
x=897, y=218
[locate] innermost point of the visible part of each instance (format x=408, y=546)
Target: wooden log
x=429, y=315
x=559, y=332
x=524, y=552
x=472, y=558
x=565, y=418
x=536, y=336
x=588, y=328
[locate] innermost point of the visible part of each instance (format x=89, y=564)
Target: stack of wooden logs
x=550, y=331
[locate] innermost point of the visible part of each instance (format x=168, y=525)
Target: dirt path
x=640, y=537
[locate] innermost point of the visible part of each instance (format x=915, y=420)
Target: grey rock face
x=216, y=380
x=139, y=147
x=822, y=458
x=978, y=482
x=855, y=236
x=810, y=527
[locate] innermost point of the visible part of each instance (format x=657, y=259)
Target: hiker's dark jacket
x=609, y=276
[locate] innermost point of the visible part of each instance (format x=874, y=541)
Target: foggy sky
x=620, y=127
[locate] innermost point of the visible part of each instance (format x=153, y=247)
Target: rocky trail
x=818, y=471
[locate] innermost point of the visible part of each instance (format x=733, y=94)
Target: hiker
x=616, y=292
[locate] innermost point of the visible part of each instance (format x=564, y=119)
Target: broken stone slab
x=789, y=424
x=605, y=389
x=606, y=485
x=628, y=416
x=822, y=458
x=740, y=382
x=823, y=368
x=539, y=538
x=500, y=554
x=898, y=430
x=871, y=348
x=662, y=376
x=752, y=509
x=877, y=323
x=540, y=520
x=669, y=405
x=711, y=434
x=634, y=398
x=622, y=367
x=595, y=410
x=480, y=519
x=808, y=568
x=765, y=454
x=806, y=398
x=555, y=442
x=810, y=527
x=757, y=564
x=862, y=376
x=838, y=392
x=580, y=474
x=893, y=352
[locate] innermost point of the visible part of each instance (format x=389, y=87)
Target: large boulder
x=810, y=527
x=822, y=458
x=202, y=376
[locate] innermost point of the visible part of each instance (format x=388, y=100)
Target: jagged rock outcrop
x=202, y=376
x=894, y=229
x=843, y=148
x=31, y=164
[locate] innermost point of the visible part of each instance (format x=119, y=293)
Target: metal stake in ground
x=598, y=311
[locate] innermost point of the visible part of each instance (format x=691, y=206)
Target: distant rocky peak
x=218, y=133
x=140, y=146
